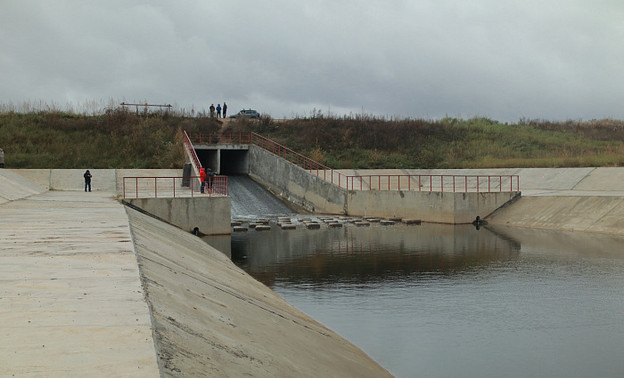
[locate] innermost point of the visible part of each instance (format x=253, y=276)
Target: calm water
x=443, y=301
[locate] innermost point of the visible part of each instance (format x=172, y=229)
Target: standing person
x=87, y=177
x=218, y=110
x=1, y=158
x=210, y=173
x=224, y=109
x=202, y=178
x=212, y=110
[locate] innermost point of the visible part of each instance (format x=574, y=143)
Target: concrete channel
x=91, y=287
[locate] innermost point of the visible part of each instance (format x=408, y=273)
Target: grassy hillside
x=117, y=139
x=123, y=139
x=368, y=142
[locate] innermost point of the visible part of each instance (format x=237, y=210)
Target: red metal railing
x=191, y=151
x=168, y=187
x=435, y=183
x=429, y=183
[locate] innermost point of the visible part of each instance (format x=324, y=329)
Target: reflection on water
x=443, y=301
x=361, y=255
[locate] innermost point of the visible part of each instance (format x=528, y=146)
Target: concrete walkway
x=71, y=301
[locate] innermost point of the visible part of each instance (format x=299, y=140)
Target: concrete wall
x=295, y=184
x=209, y=215
x=571, y=213
x=316, y=195
x=109, y=180
x=455, y=208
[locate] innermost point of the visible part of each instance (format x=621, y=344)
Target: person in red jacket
x=202, y=178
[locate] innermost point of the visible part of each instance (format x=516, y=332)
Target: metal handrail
x=436, y=183
x=168, y=187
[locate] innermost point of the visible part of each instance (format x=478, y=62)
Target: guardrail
x=171, y=187
x=435, y=183
x=188, y=145
x=430, y=183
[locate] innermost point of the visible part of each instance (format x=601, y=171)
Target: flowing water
x=448, y=301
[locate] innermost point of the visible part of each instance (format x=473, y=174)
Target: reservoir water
x=448, y=301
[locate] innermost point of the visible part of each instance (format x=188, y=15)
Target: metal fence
x=429, y=183
x=171, y=187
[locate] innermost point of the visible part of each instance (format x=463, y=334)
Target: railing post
x=155, y=187
x=453, y=184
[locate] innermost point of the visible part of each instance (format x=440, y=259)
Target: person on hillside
x=87, y=177
x=224, y=109
x=202, y=178
x=212, y=111
x=218, y=110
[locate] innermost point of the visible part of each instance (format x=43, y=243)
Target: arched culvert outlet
x=196, y=231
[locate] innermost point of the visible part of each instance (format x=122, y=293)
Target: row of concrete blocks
x=286, y=223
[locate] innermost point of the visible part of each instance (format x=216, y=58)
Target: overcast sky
x=503, y=59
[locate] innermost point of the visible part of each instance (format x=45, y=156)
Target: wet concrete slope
x=251, y=199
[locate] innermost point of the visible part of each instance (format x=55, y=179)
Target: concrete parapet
x=206, y=215
x=109, y=180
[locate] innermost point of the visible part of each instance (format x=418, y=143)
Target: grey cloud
x=431, y=58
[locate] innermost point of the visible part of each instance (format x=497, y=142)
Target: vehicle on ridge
x=247, y=113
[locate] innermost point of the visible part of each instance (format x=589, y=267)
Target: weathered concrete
x=14, y=186
x=572, y=213
x=207, y=215
x=587, y=199
x=109, y=180
x=295, y=184
x=213, y=319
x=71, y=301
x=317, y=195
x=437, y=207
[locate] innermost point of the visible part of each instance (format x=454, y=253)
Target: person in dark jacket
x=87, y=178
x=210, y=173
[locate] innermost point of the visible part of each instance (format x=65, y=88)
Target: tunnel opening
x=234, y=162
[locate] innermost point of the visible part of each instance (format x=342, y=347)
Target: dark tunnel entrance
x=234, y=162
x=225, y=161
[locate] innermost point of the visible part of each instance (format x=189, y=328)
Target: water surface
x=444, y=301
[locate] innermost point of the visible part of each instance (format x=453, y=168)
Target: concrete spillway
x=251, y=199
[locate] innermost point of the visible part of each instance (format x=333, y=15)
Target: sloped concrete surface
x=571, y=199
x=212, y=319
x=14, y=186
x=71, y=301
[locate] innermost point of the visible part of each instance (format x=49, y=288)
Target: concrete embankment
x=71, y=301
x=572, y=199
x=212, y=319
x=91, y=288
